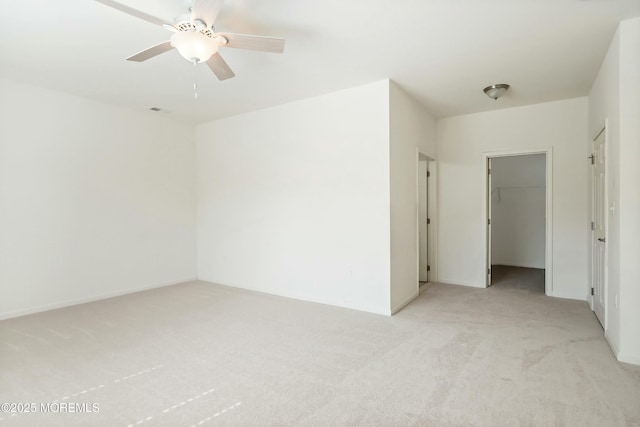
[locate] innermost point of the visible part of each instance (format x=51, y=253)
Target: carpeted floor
x=201, y=354
x=510, y=278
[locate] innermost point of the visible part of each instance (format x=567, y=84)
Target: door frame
x=548, y=256
x=432, y=213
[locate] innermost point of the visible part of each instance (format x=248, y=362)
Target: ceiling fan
x=196, y=39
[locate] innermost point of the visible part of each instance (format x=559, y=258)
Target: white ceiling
x=442, y=52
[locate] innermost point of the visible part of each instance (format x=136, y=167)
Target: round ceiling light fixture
x=496, y=91
x=194, y=46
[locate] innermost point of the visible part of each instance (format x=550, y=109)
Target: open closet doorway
x=518, y=233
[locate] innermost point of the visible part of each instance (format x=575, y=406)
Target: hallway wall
x=462, y=140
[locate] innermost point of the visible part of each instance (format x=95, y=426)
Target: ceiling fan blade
x=219, y=67
x=260, y=43
x=133, y=12
x=206, y=10
x=151, y=52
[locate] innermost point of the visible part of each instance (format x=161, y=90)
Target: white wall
x=560, y=125
x=604, y=104
x=294, y=200
x=630, y=190
x=518, y=210
x=412, y=131
x=615, y=96
x=95, y=200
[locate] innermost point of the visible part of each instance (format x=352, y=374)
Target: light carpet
x=203, y=354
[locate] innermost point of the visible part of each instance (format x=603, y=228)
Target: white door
x=489, y=187
x=428, y=242
x=599, y=228
x=423, y=229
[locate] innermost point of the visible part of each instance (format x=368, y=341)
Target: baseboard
x=460, y=283
x=537, y=267
x=567, y=296
x=613, y=346
x=632, y=359
x=404, y=303
x=47, y=307
x=629, y=358
x=340, y=304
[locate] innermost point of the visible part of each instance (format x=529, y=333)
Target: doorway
x=518, y=206
x=426, y=211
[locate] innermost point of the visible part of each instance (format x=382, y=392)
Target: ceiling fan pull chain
x=195, y=79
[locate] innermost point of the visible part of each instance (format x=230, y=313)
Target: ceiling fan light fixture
x=195, y=38
x=194, y=46
x=496, y=91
